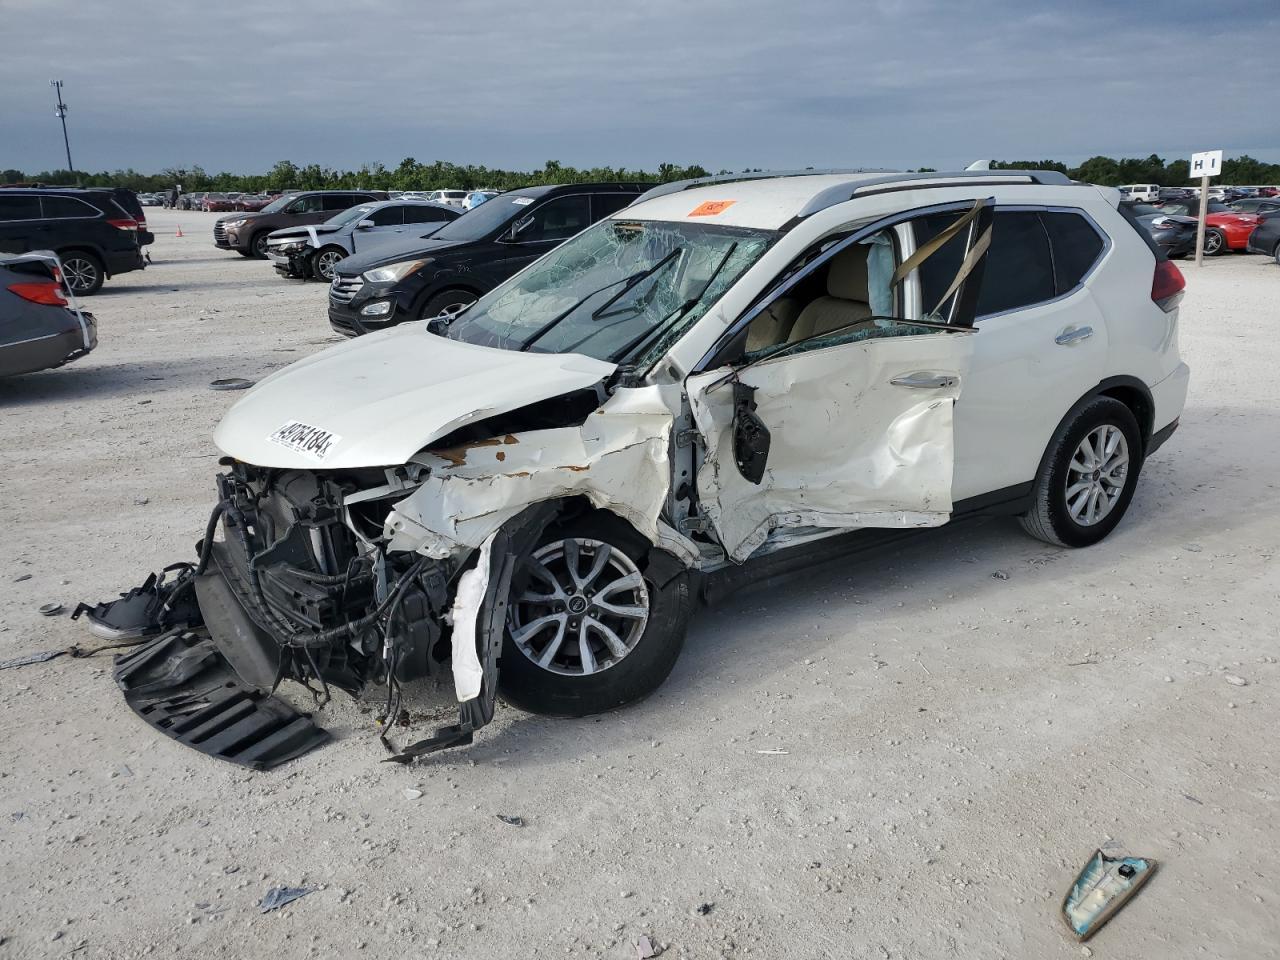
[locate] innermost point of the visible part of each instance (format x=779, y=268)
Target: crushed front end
x=294, y=582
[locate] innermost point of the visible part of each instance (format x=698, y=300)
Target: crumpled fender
x=617, y=459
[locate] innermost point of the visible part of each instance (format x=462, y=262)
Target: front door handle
x=927, y=381
x=1074, y=335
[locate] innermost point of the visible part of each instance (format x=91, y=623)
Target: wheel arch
x=448, y=286
x=1130, y=391
x=89, y=248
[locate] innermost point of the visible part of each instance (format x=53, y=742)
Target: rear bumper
x=1169, y=396
x=53, y=350
x=124, y=261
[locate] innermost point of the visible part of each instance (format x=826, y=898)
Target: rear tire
x=83, y=272
x=618, y=669
x=1082, y=491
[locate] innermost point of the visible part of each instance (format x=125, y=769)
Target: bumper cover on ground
x=183, y=687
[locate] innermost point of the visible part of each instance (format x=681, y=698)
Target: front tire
x=258, y=245
x=324, y=260
x=1215, y=243
x=83, y=272
x=443, y=301
x=588, y=628
x=1088, y=476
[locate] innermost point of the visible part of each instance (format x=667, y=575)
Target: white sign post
x=1205, y=165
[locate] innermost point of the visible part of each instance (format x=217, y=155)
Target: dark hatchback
x=40, y=324
x=468, y=257
x=93, y=235
x=1265, y=238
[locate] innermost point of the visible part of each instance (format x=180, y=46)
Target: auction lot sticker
x=711, y=207
x=304, y=438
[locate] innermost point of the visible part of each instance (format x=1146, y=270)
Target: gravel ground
x=904, y=756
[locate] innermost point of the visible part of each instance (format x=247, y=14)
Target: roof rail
x=676, y=186
x=847, y=191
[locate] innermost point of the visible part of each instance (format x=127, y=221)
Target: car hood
x=242, y=215
x=412, y=248
x=284, y=232
x=377, y=400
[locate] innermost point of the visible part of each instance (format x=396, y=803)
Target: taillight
x=48, y=292
x=129, y=224
x=1167, y=286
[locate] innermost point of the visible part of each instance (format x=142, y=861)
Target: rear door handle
x=1073, y=335
x=927, y=381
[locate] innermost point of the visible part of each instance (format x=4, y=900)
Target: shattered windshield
x=620, y=290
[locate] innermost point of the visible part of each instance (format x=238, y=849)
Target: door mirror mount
x=365, y=225
x=751, y=437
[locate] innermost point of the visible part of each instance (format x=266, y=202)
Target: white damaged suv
x=730, y=376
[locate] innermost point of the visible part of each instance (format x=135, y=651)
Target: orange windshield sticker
x=711, y=208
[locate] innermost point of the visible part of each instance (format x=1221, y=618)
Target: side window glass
x=337, y=201
x=66, y=207
x=19, y=208
x=421, y=213
x=1019, y=269
x=388, y=216
x=311, y=204
x=603, y=204
x=1076, y=248
x=849, y=297
x=557, y=219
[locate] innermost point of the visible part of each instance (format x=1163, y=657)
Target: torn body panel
x=850, y=448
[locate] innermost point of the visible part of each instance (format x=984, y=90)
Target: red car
x=1224, y=229
x=253, y=202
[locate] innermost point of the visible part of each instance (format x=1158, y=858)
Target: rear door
x=1042, y=341
x=841, y=416
x=20, y=223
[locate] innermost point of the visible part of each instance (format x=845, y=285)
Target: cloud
x=237, y=85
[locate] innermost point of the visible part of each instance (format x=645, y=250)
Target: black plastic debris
x=51, y=609
x=163, y=602
x=1104, y=886
x=231, y=383
x=183, y=687
x=25, y=576
x=31, y=658
x=514, y=821
x=278, y=897
x=704, y=908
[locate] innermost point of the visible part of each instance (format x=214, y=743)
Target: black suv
x=95, y=237
x=246, y=233
x=467, y=258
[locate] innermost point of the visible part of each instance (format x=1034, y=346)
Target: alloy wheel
x=80, y=274
x=1096, y=475
x=583, y=610
x=1212, y=242
x=325, y=263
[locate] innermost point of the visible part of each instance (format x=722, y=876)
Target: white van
x=1141, y=192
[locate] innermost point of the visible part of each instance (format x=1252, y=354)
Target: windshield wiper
x=546, y=327
x=633, y=280
x=681, y=310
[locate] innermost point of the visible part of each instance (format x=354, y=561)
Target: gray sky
x=237, y=85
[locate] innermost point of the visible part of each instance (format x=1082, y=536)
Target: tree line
x=441, y=175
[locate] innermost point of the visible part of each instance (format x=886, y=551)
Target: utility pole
x=61, y=114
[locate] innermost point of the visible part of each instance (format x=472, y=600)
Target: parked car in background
x=252, y=202
x=150, y=199
x=1175, y=235
x=466, y=258
x=1255, y=205
x=246, y=233
x=1265, y=238
x=1176, y=193
x=1141, y=192
x=477, y=197
x=41, y=325
x=94, y=236
x=452, y=197
x=1225, y=229
x=312, y=251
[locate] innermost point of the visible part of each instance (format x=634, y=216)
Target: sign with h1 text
x=1207, y=164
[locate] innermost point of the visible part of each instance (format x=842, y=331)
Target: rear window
x=66, y=207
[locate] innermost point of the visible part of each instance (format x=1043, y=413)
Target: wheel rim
x=326, y=262
x=260, y=246
x=80, y=273
x=1212, y=241
x=583, y=610
x=1096, y=475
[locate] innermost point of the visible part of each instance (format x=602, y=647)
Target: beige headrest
x=847, y=274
